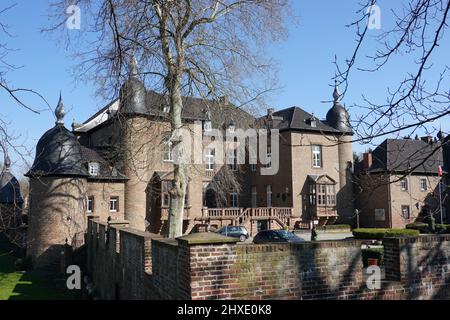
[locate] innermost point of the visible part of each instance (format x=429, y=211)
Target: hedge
x=335, y=227
x=380, y=233
x=423, y=227
x=372, y=253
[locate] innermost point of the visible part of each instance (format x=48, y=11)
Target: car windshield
x=286, y=235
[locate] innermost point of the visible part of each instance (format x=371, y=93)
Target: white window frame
x=232, y=159
x=207, y=126
x=90, y=199
x=94, y=169
x=316, y=156
x=269, y=199
x=269, y=157
x=423, y=184
x=114, y=208
x=404, y=184
x=210, y=159
x=168, y=152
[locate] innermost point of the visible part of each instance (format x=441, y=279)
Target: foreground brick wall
x=141, y=266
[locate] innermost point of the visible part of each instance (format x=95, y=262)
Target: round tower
x=57, y=212
x=338, y=118
x=10, y=205
x=135, y=144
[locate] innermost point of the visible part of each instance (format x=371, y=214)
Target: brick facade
x=142, y=267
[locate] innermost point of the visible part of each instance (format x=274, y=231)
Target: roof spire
x=59, y=111
x=7, y=162
x=133, y=67
x=336, y=93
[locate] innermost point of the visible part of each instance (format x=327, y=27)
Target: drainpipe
x=390, y=204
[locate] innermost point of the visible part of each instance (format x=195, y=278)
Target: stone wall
x=209, y=266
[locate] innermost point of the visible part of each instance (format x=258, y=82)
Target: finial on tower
x=133, y=67
x=336, y=93
x=7, y=162
x=59, y=111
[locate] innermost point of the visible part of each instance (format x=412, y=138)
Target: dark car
x=235, y=232
x=270, y=236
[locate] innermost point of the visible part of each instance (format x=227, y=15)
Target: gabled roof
x=404, y=155
x=295, y=118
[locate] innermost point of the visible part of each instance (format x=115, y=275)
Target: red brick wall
x=142, y=267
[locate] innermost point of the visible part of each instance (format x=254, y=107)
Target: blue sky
x=306, y=66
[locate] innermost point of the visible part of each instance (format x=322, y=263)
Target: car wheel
x=242, y=238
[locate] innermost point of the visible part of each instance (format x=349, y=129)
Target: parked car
x=270, y=236
x=235, y=232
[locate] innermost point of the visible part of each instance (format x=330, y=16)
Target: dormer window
x=94, y=168
x=166, y=109
x=231, y=127
x=313, y=123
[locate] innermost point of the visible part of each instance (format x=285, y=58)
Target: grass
x=29, y=285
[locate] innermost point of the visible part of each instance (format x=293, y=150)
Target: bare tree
x=422, y=96
x=202, y=48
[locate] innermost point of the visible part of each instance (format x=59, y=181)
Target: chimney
x=270, y=112
x=427, y=139
x=367, y=160
x=224, y=100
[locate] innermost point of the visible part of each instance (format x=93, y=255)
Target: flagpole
x=440, y=193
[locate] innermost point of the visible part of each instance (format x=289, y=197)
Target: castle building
x=398, y=183
x=118, y=166
x=10, y=206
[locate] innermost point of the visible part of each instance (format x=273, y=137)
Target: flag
x=440, y=171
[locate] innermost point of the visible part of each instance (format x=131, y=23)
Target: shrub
x=443, y=228
x=421, y=226
x=380, y=233
x=23, y=264
x=335, y=227
x=372, y=253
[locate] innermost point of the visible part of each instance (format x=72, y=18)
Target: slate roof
x=58, y=154
x=106, y=172
x=295, y=118
x=9, y=189
x=220, y=114
x=403, y=155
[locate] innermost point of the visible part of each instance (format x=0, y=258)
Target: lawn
x=29, y=285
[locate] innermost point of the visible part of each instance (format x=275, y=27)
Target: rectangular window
x=269, y=195
x=404, y=184
x=207, y=126
x=231, y=159
x=269, y=157
x=165, y=196
x=168, y=152
x=423, y=184
x=317, y=156
x=234, y=199
x=209, y=159
x=90, y=204
x=380, y=215
x=94, y=168
x=405, y=212
x=254, y=197
x=114, y=204
x=253, y=167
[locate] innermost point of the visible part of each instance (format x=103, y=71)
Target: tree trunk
x=178, y=192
